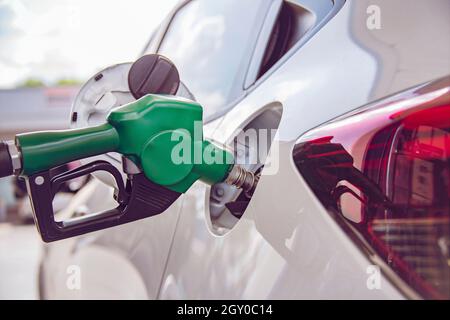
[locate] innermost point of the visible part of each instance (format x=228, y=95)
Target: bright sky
x=54, y=39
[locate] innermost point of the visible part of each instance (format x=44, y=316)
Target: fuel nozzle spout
x=242, y=179
x=9, y=159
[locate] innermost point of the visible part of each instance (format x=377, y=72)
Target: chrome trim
x=16, y=157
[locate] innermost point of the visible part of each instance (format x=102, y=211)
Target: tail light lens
x=385, y=169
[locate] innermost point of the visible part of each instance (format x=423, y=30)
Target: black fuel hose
x=6, y=167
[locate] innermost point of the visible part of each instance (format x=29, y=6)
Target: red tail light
x=386, y=170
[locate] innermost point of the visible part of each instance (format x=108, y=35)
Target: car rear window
x=210, y=42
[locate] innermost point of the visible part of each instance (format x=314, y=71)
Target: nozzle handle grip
x=139, y=199
x=47, y=149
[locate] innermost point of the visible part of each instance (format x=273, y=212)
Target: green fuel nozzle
x=161, y=140
x=162, y=135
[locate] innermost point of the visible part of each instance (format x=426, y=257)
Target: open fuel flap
x=250, y=146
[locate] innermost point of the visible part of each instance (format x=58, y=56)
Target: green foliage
x=32, y=83
x=68, y=82
x=37, y=83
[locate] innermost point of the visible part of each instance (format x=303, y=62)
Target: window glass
x=210, y=43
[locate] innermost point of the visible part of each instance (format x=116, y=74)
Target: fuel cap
x=111, y=88
x=153, y=73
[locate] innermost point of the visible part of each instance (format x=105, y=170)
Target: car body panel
x=285, y=245
x=253, y=258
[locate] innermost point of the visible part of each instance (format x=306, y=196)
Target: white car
x=353, y=197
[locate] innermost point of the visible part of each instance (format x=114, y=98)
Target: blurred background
x=48, y=48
